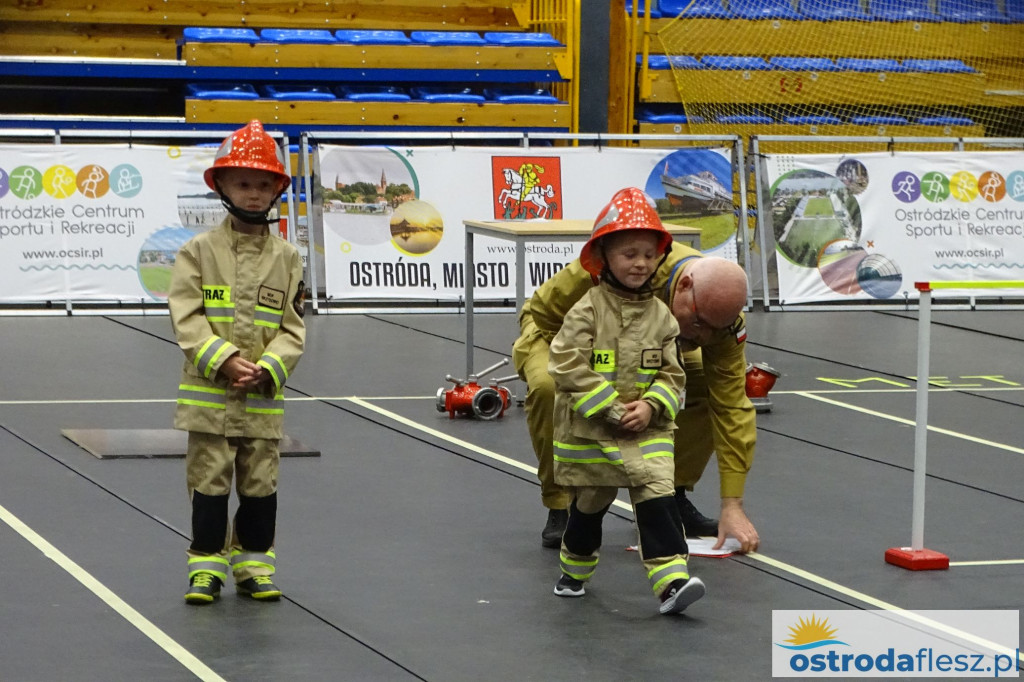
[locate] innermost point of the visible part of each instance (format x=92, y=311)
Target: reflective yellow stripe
x=200, y=403
x=209, y=365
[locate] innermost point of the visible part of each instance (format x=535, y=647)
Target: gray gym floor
x=410, y=549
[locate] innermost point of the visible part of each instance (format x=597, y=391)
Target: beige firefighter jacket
x=734, y=430
x=235, y=293
x=614, y=348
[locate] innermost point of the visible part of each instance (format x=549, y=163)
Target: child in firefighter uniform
x=620, y=384
x=236, y=304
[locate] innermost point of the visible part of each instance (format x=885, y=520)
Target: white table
x=523, y=231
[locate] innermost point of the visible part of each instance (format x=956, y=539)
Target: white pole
x=924, y=323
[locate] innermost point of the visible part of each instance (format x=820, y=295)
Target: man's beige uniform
x=718, y=416
x=234, y=293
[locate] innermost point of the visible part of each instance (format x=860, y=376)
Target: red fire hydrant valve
x=471, y=399
x=760, y=379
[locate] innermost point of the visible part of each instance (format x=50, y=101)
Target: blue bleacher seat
x=1015, y=10
x=870, y=65
x=365, y=37
x=521, y=96
x=649, y=114
x=447, y=38
x=297, y=92
x=372, y=93
x=757, y=119
x=695, y=9
x=902, y=10
x=970, y=11
x=938, y=65
x=804, y=64
x=661, y=62
x=522, y=39
x=833, y=10
x=297, y=35
x=816, y=120
x=222, y=91
x=655, y=10
x=764, y=9
x=440, y=93
x=735, y=63
x=945, y=121
x=202, y=34
x=879, y=120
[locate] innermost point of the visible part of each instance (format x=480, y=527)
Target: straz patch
x=272, y=298
x=299, y=302
x=650, y=358
x=602, y=360
x=217, y=293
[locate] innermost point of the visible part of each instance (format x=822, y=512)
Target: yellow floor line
x=178, y=652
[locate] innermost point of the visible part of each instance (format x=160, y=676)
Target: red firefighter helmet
x=629, y=209
x=249, y=147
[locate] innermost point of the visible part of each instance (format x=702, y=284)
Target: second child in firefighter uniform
x=236, y=304
x=620, y=384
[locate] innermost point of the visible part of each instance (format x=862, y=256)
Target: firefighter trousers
x=662, y=546
x=246, y=549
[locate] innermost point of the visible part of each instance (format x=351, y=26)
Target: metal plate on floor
x=151, y=443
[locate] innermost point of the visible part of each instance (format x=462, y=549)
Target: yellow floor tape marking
x=854, y=391
x=911, y=422
x=757, y=556
x=193, y=664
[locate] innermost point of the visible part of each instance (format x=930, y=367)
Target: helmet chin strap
x=251, y=217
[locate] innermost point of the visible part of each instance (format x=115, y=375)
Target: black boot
x=551, y=536
x=694, y=523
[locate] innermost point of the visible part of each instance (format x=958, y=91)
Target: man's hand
x=241, y=372
x=637, y=417
x=734, y=523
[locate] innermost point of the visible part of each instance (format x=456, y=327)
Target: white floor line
x=757, y=556
x=911, y=422
x=118, y=401
x=317, y=398
x=175, y=650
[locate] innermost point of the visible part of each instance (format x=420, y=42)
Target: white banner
x=85, y=222
x=867, y=227
x=393, y=217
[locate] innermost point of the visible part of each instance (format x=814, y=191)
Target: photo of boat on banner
x=693, y=187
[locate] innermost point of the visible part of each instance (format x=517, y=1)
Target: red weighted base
x=916, y=560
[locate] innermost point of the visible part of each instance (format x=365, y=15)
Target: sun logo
x=811, y=634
